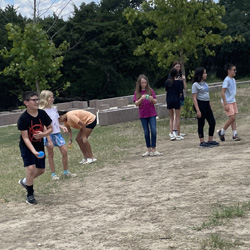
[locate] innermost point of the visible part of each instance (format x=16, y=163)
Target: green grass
x=216, y=242
x=110, y=144
x=222, y=214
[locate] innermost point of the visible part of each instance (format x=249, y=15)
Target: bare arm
x=184, y=82
x=223, y=96
x=152, y=100
x=139, y=101
x=24, y=134
x=196, y=105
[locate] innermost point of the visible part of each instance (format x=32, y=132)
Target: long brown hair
x=138, y=87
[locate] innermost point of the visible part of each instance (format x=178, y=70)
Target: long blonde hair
x=138, y=87
x=44, y=96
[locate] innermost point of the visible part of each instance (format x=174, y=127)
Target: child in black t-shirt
x=31, y=125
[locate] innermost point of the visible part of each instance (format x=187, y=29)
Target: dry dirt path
x=142, y=203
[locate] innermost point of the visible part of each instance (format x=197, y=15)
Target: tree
x=10, y=86
x=179, y=29
x=33, y=57
x=103, y=64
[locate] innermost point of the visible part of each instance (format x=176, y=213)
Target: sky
x=63, y=8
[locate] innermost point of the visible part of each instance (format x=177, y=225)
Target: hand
x=198, y=114
x=226, y=107
x=36, y=154
x=143, y=97
x=38, y=134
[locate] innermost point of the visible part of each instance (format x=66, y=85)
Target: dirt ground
x=142, y=203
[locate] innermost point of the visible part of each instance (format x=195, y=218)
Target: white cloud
x=63, y=8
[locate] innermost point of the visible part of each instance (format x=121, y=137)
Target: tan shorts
x=232, y=109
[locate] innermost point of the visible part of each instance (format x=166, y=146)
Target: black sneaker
x=204, y=145
x=236, y=138
x=222, y=137
x=31, y=200
x=213, y=143
x=22, y=184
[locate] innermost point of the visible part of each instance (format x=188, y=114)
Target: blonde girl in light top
x=55, y=139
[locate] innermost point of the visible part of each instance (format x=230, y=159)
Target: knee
x=232, y=118
x=85, y=140
x=78, y=139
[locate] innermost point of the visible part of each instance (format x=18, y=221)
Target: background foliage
x=101, y=63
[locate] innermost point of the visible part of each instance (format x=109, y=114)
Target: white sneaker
x=172, y=137
x=90, y=160
x=70, y=175
x=55, y=178
x=82, y=161
x=147, y=153
x=178, y=138
x=174, y=133
x=155, y=153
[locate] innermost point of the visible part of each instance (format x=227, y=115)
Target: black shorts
x=92, y=125
x=173, y=105
x=30, y=159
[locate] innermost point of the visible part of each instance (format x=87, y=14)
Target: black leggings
x=206, y=113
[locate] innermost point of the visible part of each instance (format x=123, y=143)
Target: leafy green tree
x=179, y=29
x=103, y=65
x=33, y=57
x=10, y=86
x=237, y=18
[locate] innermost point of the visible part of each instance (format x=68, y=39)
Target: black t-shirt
x=32, y=125
x=173, y=90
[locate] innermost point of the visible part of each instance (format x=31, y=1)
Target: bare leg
x=80, y=143
x=231, y=122
x=82, y=140
x=64, y=152
x=51, y=159
x=31, y=173
x=178, y=120
x=171, y=120
x=174, y=121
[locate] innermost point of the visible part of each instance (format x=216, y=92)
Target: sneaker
x=222, y=137
x=236, y=138
x=213, y=143
x=155, y=153
x=90, y=160
x=204, y=145
x=179, y=137
x=172, y=137
x=22, y=184
x=175, y=133
x=82, y=161
x=70, y=175
x=55, y=178
x=31, y=200
x=147, y=153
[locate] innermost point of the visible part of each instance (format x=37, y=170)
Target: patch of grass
x=216, y=242
x=222, y=213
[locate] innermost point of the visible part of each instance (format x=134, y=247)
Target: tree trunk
x=182, y=62
x=34, y=17
x=37, y=87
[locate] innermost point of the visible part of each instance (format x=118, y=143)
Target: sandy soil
x=142, y=203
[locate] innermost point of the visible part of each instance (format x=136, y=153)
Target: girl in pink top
x=85, y=122
x=145, y=98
